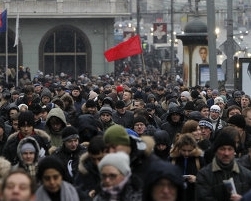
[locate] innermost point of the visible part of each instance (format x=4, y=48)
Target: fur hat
x=116, y=135
x=105, y=109
x=237, y=120
x=224, y=139
x=139, y=119
x=119, y=160
x=69, y=132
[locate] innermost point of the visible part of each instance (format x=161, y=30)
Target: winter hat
x=195, y=94
x=189, y=106
x=90, y=103
x=224, y=139
x=237, y=94
x=92, y=95
x=69, y=132
x=26, y=118
x=50, y=162
x=27, y=147
x=140, y=119
x=195, y=115
x=116, y=135
x=119, y=160
x=207, y=123
x=218, y=100
x=186, y=94
x=237, y=120
x=35, y=108
x=46, y=92
x=105, y=109
x=215, y=92
x=22, y=105
x=215, y=108
x=120, y=104
x=119, y=89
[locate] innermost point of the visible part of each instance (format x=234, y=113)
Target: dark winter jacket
x=209, y=185
x=87, y=177
x=10, y=148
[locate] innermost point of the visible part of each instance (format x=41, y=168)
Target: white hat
x=215, y=108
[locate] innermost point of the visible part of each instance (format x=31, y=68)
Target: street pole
x=173, y=69
x=229, y=85
x=212, y=44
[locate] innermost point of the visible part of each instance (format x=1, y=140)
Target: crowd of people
x=123, y=138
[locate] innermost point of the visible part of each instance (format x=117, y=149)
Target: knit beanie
x=140, y=119
x=224, y=139
x=189, y=106
x=69, y=132
x=50, y=162
x=207, y=123
x=46, y=92
x=218, y=100
x=186, y=94
x=119, y=89
x=105, y=109
x=27, y=147
x=116, y=135
x=215, y=108
x=119, y=160
x=237, y=120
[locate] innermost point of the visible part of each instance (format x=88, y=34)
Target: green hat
x=116, y=135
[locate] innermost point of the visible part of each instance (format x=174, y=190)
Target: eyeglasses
x=109, y=176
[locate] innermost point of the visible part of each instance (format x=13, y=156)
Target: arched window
x=65, y=49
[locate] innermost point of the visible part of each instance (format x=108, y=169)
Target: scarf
x=67, y=193
x=115, y=190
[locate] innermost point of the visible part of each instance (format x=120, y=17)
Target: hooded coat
x=56, y=139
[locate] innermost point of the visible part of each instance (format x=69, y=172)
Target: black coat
x=209, y=185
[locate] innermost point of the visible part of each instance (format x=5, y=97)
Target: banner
x=17, y=31
x=125, y=49
x=3, y=21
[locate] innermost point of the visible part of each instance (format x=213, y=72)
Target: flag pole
x=6, y=49
x=16, y=44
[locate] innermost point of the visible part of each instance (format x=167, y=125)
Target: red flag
x=125, y=49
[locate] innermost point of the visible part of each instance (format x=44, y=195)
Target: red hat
x=119, y=89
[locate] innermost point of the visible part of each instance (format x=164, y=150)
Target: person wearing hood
x=163, y=182
x=70, y=151
x=174, y=122
x=26, y=128
x=55, y=122
x=162, y=144
x=186, y=154
x=88, y=127
x=28, y=151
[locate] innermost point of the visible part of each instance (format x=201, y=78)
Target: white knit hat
x=186, y=94
x=215, y=108
x=119, y=160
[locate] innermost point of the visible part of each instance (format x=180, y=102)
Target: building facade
x=57, y=36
